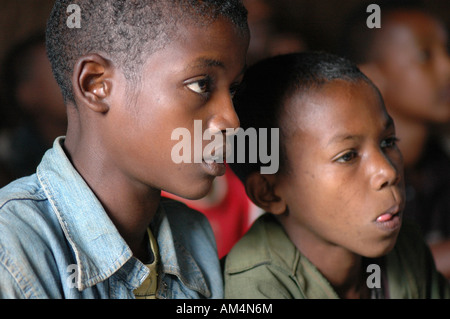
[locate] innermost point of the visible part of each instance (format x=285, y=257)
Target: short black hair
x=261, y=99
x=126, y=30
x=357, y=39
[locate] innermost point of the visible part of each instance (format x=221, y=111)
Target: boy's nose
x=224, y=116
x=383, y=172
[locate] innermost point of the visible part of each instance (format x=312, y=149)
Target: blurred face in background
x=413, y=58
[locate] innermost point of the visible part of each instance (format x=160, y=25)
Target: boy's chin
x=381, y=249
x=194, y=192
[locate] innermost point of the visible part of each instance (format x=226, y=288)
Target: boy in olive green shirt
x=335, y=228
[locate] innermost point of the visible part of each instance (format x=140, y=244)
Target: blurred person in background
x=267, y=37
x=34, y=113
x=408, y=61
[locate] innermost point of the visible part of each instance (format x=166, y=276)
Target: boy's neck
x=130, y=205
x=342, y=268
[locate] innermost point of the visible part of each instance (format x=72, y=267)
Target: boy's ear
x=92, y=82
x=375, y=74
x=260, y=189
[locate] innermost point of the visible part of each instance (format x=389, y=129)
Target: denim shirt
x=56, y=241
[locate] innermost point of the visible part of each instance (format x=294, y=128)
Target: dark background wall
x=318, y=21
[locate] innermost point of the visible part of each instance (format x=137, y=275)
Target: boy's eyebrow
x=344, y=137
x=207, y=62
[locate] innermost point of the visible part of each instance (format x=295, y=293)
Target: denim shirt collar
x=99, y=249
x=173, y=254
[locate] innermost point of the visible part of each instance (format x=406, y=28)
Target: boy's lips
x=390, y=220
x=215, y=164
x=219, y=155
x=213, y=168
x=387, y=215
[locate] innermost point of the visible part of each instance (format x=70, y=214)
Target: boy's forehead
x=304, y=108
x=201, y=48
x=185, y=21
x=199, y=52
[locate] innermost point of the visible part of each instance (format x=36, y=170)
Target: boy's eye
x=201, y=86
x=389, y=142
x=347, y=157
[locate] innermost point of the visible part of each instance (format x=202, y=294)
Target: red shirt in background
x=228, y=209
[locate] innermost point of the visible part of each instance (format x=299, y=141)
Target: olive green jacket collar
x=265, y=263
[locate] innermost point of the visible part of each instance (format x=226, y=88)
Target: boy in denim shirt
x=90, y=222
x=336, y=202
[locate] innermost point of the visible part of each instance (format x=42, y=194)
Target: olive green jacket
x=266, y=264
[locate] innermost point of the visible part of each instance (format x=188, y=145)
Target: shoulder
x=26, y=226
x=262, y=264
x=251, y=250
x=23, y=205
x=26, y=188
x=265, y=243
